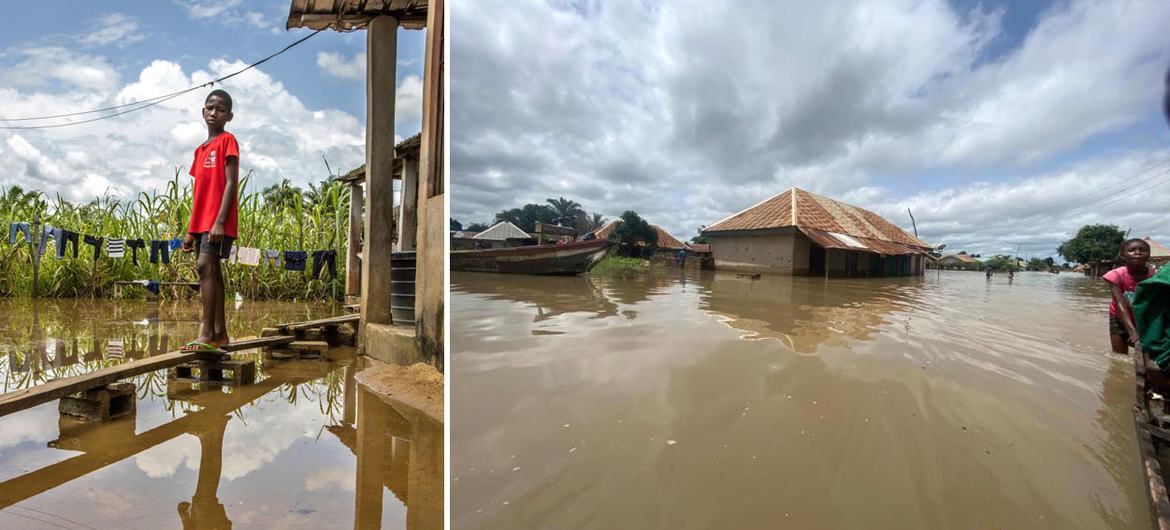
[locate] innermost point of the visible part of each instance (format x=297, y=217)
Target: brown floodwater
x=710, y=400
x=304, y=447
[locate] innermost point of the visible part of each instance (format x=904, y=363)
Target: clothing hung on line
x=97, y=245
x=176, y=243
x=320, y=258
x=116, y=247
x=248, y=256
x=160, y=249
x=294, y=260
x=47, y=231
x=272, y=258
x=134, y=245
x=63, y=237
x=23, y=228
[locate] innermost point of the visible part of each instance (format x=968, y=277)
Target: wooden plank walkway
x=18, y=400
x=331, y=321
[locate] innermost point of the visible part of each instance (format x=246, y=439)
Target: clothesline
x=293, y=260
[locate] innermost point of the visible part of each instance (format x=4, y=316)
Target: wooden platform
x=29, y=397
x=322, y=323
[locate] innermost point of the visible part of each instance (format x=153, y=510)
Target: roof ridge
x=732, y=216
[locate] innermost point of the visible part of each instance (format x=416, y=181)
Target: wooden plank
x=331, y=321
x=30, y=397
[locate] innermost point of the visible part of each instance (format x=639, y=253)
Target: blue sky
x=306, y=103
x=998, y=123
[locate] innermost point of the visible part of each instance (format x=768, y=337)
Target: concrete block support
x=101, y=404
x=381, y=58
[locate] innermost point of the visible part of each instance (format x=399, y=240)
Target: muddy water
x=304, y=447
x=717, y=401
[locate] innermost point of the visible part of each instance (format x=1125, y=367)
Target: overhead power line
x=145, y=103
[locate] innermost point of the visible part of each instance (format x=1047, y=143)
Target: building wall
x=767, y=253
x=430, y=277
x=801, y=246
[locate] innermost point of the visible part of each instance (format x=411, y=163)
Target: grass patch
x=622, y=267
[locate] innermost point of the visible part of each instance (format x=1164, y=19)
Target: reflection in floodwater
x=303, y=446
x=710, y=400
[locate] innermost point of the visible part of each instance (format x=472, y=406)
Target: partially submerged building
x=802, y=233
x=665, y=249
x=502, y=234
x=962, y=260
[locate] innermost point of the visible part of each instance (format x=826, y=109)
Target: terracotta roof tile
x=816, y=212
x=665, y=239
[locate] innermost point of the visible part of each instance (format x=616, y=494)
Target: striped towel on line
x=116, y=247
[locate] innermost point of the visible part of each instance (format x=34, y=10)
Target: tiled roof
x=502, y=231
x=607, y=229
x=965, y=258
x=665, y=239
x=809, y=211
x=1157, y=250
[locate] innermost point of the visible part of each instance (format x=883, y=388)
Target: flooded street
x=717, y=401
x=306, y=446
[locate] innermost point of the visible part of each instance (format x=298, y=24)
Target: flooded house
x=961, y=260
x=500, y=235
x=665, y=250
x=801, y=233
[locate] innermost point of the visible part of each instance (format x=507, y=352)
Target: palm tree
x=280, y=196
x=567, y=210
x=593, y=222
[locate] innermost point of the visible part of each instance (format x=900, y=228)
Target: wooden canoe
x=1153, y=438
x=567, y=259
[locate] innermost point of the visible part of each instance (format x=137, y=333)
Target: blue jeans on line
x=22, y=227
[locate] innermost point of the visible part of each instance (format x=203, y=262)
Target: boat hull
x=572, y=258
x=1153, y=440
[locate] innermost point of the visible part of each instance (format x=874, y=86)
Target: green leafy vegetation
x=1093, y=244
x=279, y=217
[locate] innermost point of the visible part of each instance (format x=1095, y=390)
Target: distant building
x=1159, y=254
x=802, y=233
x=961, y=260
x=500, y=235
x=665, y=249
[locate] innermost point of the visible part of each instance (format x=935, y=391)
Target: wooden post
x=353, y=264
x=408, y=224
x=381, y=56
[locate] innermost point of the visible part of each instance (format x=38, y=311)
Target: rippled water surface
x=303, y=447
x=717, y=401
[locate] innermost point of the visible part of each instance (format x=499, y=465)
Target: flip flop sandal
x=196, y=346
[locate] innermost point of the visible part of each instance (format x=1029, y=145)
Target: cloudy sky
x=60, y=57
x=998, y=123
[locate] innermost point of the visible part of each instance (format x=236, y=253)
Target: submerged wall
x=758, y=253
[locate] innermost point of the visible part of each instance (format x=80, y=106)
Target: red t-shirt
x=210, y=181
x=1122, y=278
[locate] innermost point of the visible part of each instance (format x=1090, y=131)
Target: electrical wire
x=146, y=103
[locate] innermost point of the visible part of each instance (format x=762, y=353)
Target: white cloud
x=408, y=103
x=279, y=136
x=113, y=28
x=336, y=65
x=662, y=109
x=208, y=8
x=255, y=19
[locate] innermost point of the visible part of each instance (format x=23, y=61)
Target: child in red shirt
x=1123, y=283
x=212, y=228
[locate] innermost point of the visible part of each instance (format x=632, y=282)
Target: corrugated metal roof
x=503, y=231
x=348, y=15
x=877, y=246
x=805, y=210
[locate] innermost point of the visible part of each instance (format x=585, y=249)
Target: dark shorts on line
x=207, y=247
x=1115, y=327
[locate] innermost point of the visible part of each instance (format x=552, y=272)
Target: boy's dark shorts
x=204, y=244
x=1115, y=327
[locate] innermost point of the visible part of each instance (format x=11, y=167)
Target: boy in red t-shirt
x=212, y=229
